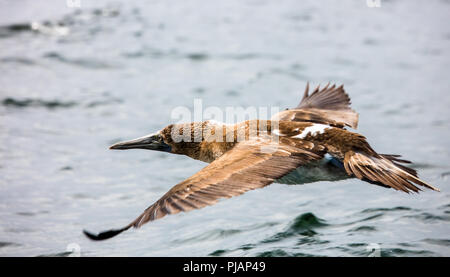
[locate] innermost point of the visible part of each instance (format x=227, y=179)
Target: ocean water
x=74, y=80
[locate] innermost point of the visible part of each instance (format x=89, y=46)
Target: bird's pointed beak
x=150, y=142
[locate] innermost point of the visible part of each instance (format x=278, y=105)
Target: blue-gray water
x=77, y=80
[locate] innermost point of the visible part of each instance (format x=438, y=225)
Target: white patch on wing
x=315, y=129
x=277, y=132
x=328, y=157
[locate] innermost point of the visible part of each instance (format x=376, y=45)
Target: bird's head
x=175, y=138
x=153, y=141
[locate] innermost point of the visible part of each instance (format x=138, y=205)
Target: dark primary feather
x=395, y=160
x=106, y=234
x=327, y=98
x=329, y=105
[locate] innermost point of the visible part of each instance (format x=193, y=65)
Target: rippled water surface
x=74, y=81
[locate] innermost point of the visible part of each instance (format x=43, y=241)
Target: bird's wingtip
x=435, y=189
x=104, y=235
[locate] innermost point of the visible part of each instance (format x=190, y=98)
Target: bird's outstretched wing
x=329, y=105
x=249, y=165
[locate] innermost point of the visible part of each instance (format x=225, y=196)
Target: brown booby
x=255, y=153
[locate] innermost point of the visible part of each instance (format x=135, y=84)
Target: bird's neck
x=208, y=140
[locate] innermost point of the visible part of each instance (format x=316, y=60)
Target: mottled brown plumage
x=244, y=168
x=254, y=153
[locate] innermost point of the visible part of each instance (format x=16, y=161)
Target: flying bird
x=255, y=153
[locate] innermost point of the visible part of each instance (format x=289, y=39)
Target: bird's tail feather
x=384, y=170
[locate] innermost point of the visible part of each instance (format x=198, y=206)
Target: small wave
x=18, y=60
x=94, y=104
x=284, y=72
x=300, y=17
x=440, y=242
x=195, y=56
x=19, y=230
x=9, y=30
x=218, y=253
x=427, y=217
x=282, y=253
x=395, y=252
x=11, y=102
x=246, y=247
x=59, y=254
x=445, y=208
x=311, y=240
x=274, y=253
x=61, y=27
x=251, y=56
x=306, y=220
x=50, y=28
x=211, y=235
x=199, y=90
x=90, y=63
x=302, y=225
x=356, y=244
x=81, y=196
x=343, y=62
x=26, y=214
x=7, y=244
x=370, y=41
x=363, y=229
x=232, y=93
x=445, y=175
x=399, y=208
x=371, y=217
x=221, y=233
x=46, y=27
